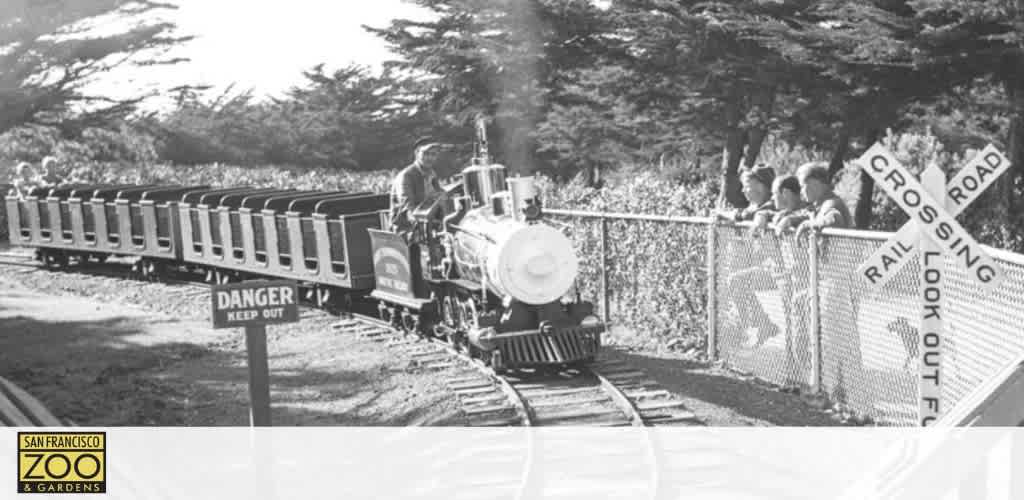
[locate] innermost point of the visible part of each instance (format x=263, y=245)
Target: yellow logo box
x=62, y=462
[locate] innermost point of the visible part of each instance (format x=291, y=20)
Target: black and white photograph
x=479, y=241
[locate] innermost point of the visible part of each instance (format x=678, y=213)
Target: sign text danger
x=255, y=303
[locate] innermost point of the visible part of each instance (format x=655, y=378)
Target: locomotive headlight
x=532, y=211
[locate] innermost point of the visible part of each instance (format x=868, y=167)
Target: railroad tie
x=552, y=404
x=642, y=394
x=485, y=409
x=483, y=399
x=470, y=383
x=437, y=366
x=660, y=405
x=575, y=414
x=499, y=422
x=465, y=379
x=555, y=392
x=684, y=417
x=474, y=390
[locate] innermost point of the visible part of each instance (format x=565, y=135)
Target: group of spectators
x=802, y=202
x=26, y=178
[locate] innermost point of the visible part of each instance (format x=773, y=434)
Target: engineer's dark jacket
x=410, y=188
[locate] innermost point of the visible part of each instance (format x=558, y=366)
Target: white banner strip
x=584, y=463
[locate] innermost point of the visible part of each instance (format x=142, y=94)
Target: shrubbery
x=657, y=271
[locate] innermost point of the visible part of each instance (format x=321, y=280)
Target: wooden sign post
x=932, y=206
x=253, y=305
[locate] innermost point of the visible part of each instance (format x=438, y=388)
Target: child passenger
x=24, y=180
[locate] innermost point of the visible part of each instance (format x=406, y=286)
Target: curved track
x=606, y=393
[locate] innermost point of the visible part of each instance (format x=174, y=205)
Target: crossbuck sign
x=932, y=206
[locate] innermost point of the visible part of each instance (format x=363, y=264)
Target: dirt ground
x=108, y=362
x=107, y=351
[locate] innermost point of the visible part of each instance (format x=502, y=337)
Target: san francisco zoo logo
x=62, y=462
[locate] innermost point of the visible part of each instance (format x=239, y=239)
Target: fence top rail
x=627, y=216
x=1003, y=255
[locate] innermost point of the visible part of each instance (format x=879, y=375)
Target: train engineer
x=415, y=183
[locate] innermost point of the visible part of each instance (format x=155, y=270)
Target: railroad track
x=606, y=393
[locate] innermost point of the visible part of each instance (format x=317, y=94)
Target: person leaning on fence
x=786, y=200
x=786, y=197
x=826, y=208
x=24, y=180
x=757, y=189
x=836, y=291
x=748, y=273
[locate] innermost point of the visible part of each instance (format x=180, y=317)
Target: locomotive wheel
x=55, y=260
x=154, y=270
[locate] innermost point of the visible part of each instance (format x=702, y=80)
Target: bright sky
x=264, y=44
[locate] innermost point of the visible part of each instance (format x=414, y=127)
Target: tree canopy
x=50, y=49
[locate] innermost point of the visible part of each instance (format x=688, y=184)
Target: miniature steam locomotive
x=481, y=269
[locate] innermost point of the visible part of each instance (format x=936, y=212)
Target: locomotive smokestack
x=483, y=155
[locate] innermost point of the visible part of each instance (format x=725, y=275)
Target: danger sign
x=255, y=303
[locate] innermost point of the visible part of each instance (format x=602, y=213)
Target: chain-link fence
x=763, y=304
x=793, y=313
x=649, y=288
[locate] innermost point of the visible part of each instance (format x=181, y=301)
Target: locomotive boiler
x=488, y=274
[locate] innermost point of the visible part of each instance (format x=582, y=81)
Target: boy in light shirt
x=826, y=208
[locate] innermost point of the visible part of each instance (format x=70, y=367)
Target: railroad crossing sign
x=965, y=187
x=932, y=206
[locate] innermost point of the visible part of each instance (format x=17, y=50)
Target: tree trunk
x=732, y=153
x=1013, y=84
x=764, y=99
x=839, y=153
x=865, y=198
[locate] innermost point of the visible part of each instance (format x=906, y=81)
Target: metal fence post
x=712, y=291
x=605, y=307
x=815, y=333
